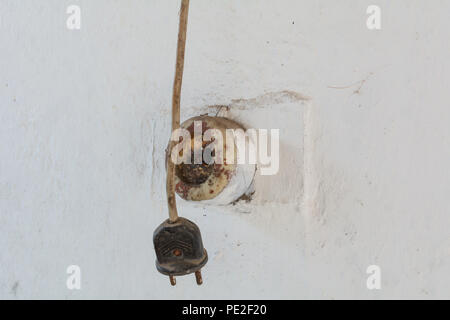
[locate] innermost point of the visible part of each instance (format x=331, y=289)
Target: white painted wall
x=364, y=177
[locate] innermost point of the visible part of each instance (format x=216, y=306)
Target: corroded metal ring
x=215, y=183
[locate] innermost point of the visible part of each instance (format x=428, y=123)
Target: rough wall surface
x=364, y=145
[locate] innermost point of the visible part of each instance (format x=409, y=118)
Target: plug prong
x=198, y=277
x=173, y=281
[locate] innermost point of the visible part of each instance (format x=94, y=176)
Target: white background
x=364, y=179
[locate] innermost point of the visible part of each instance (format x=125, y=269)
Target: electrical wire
x=179, y=69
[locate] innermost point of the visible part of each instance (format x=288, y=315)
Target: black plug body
x=179, y=249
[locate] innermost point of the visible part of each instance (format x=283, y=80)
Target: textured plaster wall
x=365, y=143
